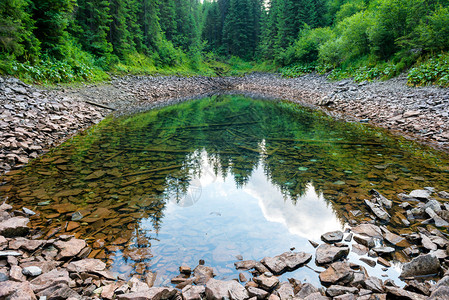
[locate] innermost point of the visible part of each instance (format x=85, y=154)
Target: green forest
x=50, y=41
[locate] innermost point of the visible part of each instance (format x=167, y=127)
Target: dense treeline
x=361, y=38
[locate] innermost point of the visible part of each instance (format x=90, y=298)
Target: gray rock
x=403, y=294
x=332, y=237
x=16, y=290
x=285, y=291
x=381, y=199
x=266, y=283
x=368, y=230
x=287, y=261
x=256, y=292
x=32, y=271
x=155, y=293
x=316, y=296
x=326, y=253
x=306, y=290
x=441, y=293
x=383, y=250
x=28, y=211
x=3, y=277
x=373, y=284
x=422, y=265
x=337, y=290
x=89, y=265
x=427, y=243
x=378, y=210
x=9, y=253
x=193, y=292
x=219, y=289
x=420, y=194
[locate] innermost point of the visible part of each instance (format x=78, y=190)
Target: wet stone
x=193, y=292
x=326, y=253
x=332, y=237
x=219, y=289
x=265, y=282
x=338, y=272
x=337, y=290
x=287, y=261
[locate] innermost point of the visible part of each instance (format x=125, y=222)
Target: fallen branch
x=99, y=105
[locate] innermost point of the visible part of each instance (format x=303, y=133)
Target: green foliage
x=433, y=32
x=432, y=71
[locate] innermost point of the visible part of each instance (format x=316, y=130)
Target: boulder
x=422, y=265
x=398, y=293
x=326, y=253
x=219, y=289
x=306, y=290
x=256, y=292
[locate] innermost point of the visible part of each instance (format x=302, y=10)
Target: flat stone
x=287, y=261
x=28, y=211
x=338, y=272
x=403, y=294
x=219, y=289
x=193, y=292
x=427, y=242
x=265, y=282
x=245, y=264
x=332, y=237
x=109, y=289
x=69, y=248
x=383, y=262
x=395, y=239
x=359, y=249
x=15, y=226
x=32, y=271
x=368, y=230
x=422, y=265
x=23, y=243
x=420, y=194
x=9, y=253
x=368, y=261
x=16, y=290
x=155, y=293
x=384, y=250
x=326, y=253
x=48, y=279
x=316, y=296
x=59, y=291
x=256, y=292
x=365, y=240
x=86, y=265
x=15, y=272
x=337, y=290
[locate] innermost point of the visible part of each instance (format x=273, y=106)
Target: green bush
x=432, y=71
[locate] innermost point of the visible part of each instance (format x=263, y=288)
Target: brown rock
x=91, y=265
x=16, y=290
x=15, y=273
x=202, y=274
x=337, y=290
x=368, y=230
x=421, y=265
x=285, y=291
x=69, y=248
x=49, y=279
x=338, y=272
x=23, y=243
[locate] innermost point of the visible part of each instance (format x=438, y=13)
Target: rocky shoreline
x=34, y=120
x=60, y=267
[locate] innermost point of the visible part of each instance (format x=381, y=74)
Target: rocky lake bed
x=60, y=266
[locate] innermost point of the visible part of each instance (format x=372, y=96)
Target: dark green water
x=215, y=178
